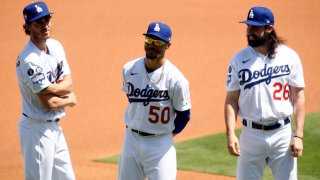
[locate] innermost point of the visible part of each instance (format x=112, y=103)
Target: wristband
x=298, y=137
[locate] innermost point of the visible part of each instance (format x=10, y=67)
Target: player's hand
x=233, y=145
x=296, y=147
x=73, y=99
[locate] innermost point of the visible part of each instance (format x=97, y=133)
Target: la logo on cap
x=38, y=8
x=157, y=28
x=251, y=14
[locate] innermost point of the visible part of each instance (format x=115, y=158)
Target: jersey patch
x=38, y=78
x=30, y=72
x=32, y=67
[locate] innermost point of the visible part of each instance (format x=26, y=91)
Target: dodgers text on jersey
x=263, y=75
x=146, y=95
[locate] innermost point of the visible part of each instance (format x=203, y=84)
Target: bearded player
x=159, y=108
x=265, y=86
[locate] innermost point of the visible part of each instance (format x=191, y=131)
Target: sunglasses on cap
x=149, y=40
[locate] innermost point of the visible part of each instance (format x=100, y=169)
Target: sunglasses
x=149, y=40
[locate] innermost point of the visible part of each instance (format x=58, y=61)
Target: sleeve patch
x=38, y=78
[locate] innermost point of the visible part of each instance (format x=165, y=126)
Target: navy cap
x=35, y=11
x=259, y=16
x=159, y=30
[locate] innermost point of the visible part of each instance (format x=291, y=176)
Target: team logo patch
x=157, y=28
x=251, y=14
x=38, y=8
x=35, y=72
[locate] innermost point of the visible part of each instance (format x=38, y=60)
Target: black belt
x=141, y=133
x=56, y=120
x=266, y=127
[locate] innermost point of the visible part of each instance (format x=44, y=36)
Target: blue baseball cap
x=35, y=11
x=259, y=16
x=159, y=30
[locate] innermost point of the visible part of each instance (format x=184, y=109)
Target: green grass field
x=209, y=154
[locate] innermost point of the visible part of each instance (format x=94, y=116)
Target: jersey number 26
x=278, y=94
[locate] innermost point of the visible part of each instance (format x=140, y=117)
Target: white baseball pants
x=147, y=156
x=45, y=152
x=259, y=148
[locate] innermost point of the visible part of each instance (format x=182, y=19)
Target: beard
x=151, y=56
x=153, y=53
x=256, y=41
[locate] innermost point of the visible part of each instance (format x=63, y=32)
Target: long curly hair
x=274, y=41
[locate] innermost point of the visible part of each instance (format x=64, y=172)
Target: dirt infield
x=100, y=36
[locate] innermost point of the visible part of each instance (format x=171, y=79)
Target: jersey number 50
x=278, y=94
x=156, y=114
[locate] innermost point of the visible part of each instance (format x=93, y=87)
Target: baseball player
x=265, y=86
x=159, y=108
x=45, y=83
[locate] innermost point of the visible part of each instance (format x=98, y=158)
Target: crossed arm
x=58, y=95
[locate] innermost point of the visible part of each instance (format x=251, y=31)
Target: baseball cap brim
x=157, y=35
x=39, y=17
x=254, y=23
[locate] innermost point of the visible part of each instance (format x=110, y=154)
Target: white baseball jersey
x=264, y=83
x=36, y=70
x=154, y=96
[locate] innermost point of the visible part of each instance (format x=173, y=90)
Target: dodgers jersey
x=152, y=102
x=37, y=70
x=264, y=82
